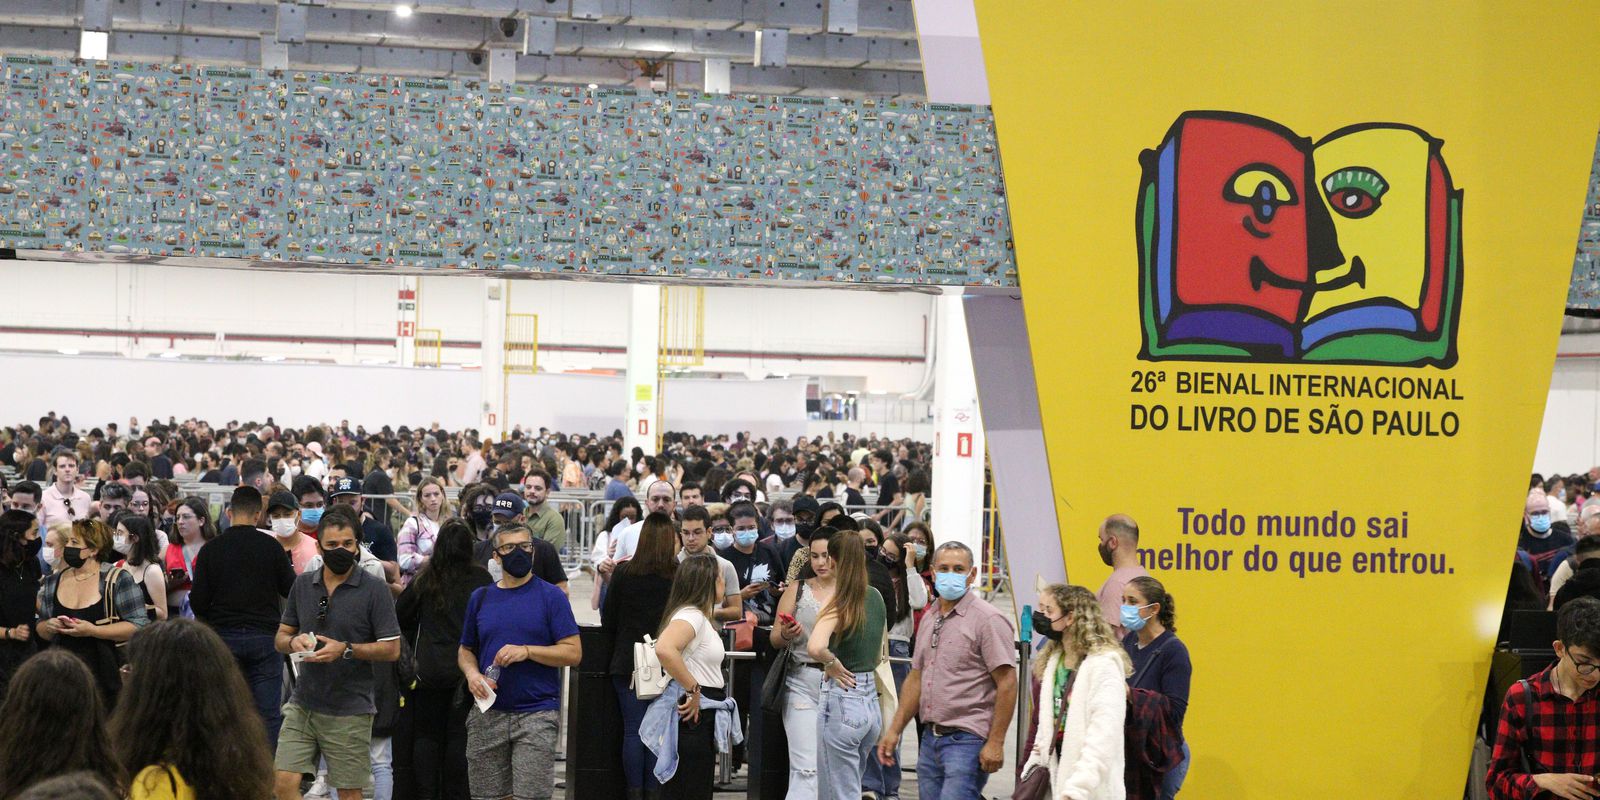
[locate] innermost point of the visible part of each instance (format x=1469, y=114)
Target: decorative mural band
x=357, y=169
x=1585, y=291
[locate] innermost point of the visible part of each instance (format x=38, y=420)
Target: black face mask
x=1041, y=626
x=73, y=556
x=804, y=530
x=338, y=560
x=482, y=517
x=32, y=547
x=517, y=563
x=872, y=552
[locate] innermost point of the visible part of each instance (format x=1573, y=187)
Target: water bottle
x=493, y=674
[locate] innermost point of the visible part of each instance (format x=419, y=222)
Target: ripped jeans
x=847, y=737
x=803, y=695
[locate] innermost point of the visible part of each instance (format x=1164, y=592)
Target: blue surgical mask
x=722, y=541
x=1131, y=619
x=746, y=538
x=951, y=586
x=311, y=516
x=922, y=550
x=783, y=531
x=1540, y=523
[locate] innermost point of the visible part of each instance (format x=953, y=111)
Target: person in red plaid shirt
x=1548, y=743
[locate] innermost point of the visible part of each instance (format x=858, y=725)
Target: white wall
x=1570, y=439
x=812, y=332
x=95, y=390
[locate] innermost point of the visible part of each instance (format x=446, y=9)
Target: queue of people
x=425, y=664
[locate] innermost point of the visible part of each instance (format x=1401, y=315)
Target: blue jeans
x=1173, y=781
x=885, y=780
x=848, y=723
x=262, y=666
x=638, y=765
x=947, y=766
x=382, y=753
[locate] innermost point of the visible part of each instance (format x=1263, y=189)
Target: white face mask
x=283, y=527
x=50, y=557
x=119, y=544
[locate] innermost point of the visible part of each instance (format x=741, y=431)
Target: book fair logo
x=1258, y=245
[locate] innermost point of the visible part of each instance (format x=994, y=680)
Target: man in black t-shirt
x=240, y=578
x=757, y=563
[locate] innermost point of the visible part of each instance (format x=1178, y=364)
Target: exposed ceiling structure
x=844, y=48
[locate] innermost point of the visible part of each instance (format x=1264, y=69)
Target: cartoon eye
x=1355, y=192
x=1263, y=188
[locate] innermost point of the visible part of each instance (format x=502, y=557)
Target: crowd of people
x=427, y=664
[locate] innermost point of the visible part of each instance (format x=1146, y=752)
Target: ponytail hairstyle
x=1153, y=592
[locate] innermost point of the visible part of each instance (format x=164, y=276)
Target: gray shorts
x=511, y=754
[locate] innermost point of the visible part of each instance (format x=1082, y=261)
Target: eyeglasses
x=506, y=549
x=322, y=610
x=722, y=529
x=1585, y=668
x=937, y=624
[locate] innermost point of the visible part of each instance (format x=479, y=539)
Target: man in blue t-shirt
x=516, y=636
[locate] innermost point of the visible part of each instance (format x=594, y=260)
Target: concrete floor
x=1000, y=784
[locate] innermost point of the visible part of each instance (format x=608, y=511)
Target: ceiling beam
x=62, y=42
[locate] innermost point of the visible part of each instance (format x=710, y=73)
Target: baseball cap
x=282, y=499
x=804, y=503
x=508, y=504
x=345, y=486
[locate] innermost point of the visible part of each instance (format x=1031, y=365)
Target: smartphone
x=758, y=585
x=787, y=619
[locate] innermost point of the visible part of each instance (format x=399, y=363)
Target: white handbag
x=649, y=679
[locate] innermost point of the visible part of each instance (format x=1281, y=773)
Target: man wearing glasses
x=515, y=637
x=962, y=685
x=1546, y=744
x=64, y=502
x=337, y=620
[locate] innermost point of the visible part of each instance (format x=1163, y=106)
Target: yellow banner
x=1293, y=276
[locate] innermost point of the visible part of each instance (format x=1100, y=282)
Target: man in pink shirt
x=1119, y=548
x=962, y=685
x=64, y=502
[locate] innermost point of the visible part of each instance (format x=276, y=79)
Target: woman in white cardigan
x=1083, y=661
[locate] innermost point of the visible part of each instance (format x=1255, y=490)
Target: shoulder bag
x=108, y=594
x=649, y=679
x=777, y=671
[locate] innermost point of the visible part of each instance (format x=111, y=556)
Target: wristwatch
x=349, y=652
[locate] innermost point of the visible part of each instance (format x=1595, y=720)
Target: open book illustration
x=1258, y=245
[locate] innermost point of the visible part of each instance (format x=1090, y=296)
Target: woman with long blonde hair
x=1080, y=697
x=847, y=641
x=421, y=529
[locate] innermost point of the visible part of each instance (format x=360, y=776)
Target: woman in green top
x=848, y=641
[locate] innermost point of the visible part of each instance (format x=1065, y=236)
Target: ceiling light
x=67, y=351
x=594, y=86
x=94, y=45
x=272, y=359
x=171, y=354
x=402, y=10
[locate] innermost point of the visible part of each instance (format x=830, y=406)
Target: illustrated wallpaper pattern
x=384, y=170
x=1585, y=290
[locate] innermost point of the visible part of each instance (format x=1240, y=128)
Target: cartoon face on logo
x=1255, y=245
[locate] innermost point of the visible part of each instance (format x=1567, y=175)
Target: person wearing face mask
x=338, y=621
x=1080, y=699
x=134, y=539
x=240, y=581
x=287, y=519
x=785, y=518
x=1541, y=534
x=19, y=585
x=521, y=632
x=1119, y=549
x=54, y=538
x=965, y=693
x=91, y=605
x=737, y=534
x=1160, y=664
x=694, y=535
